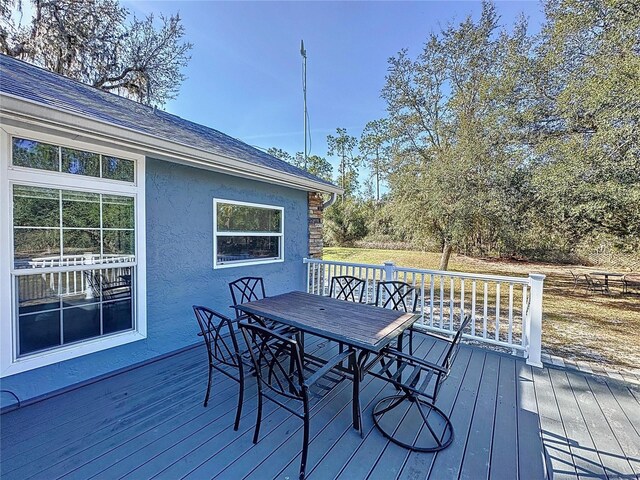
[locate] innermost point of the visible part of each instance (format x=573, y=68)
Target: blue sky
x=245, y=74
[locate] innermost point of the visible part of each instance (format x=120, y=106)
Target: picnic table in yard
x=606, y=276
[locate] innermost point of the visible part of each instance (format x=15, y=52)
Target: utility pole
x=303, y=52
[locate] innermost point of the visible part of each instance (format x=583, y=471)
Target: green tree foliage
x=345, y=222
x=316, y=165
x=583, y=120
x=92, y=41
x=375, y=148
x=343, y=146
x=453, y=174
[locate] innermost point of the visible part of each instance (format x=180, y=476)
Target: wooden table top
x=362, y=326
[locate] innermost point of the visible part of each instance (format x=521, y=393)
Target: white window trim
x=9, y=363
x=244, y=263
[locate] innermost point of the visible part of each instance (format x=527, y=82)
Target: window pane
x=38, y=331
x=236, y=249
x=117, y=316
x=80, y=209
x=84, y=244
x=80, y=162
x=36, y=247
x=118, y=243
x=117, y=169
x=81, y=322
x=36, y=207
x=38, y=292
x=117, y=212
x=29, y=153
x=242, y=218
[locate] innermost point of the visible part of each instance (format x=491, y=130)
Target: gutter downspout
x=331, y=201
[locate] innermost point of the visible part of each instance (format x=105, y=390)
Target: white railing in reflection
x=68, y=275
x=505, y=311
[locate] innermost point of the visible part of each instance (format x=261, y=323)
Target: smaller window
x=246, y=233
x=43, y=156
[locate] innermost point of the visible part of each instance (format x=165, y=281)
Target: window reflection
x=236, y=249
x=65, y=307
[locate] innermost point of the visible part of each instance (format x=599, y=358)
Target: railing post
x=87, y=259
x=534, y=325
x=389, y=269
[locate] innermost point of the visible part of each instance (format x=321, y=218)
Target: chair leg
x=356, y=410
x=256, y=432
x=236, y=424
x=305, y=441
x=206, y=397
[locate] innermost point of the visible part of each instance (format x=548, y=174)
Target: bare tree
x=92, y=41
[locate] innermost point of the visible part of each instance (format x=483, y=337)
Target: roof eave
x=32, y=113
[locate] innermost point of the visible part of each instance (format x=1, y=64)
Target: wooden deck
x=511, y=421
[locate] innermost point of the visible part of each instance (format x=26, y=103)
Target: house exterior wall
x=179, y=256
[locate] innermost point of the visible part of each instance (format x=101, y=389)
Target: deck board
x=586, y=459
x=477, y=453
x=504, y=451
x=627, y=437
x=553, y=433
x=613, y=458
x=150, y=422
x=532, y=453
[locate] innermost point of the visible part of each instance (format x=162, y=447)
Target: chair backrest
x=346, y=287
x=452, y=352
x=276, y=359
x=246, y=289
x=94, y=280
x=397, y=295
x=219, y=336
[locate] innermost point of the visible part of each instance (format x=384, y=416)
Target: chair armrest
x=432, y=335
x=331, y=363
x=392, y=352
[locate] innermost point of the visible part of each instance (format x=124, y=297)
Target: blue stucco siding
x=180, y=245
x=179, y=257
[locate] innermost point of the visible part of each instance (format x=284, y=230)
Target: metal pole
x=303, y=52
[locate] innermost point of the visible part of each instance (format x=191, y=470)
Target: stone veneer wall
x=315, y=224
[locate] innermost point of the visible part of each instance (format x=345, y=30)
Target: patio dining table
x=366, y=328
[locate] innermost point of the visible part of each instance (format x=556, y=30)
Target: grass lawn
x=576, y=324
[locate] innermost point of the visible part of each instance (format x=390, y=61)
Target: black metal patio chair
x=249, y=289
x=629, y=281
x=223, y=351
x=418, y=382
x=102, y=287
x=283, y=377
x=594, y=285
x=346, y=287
x=577, y=281
x=397, y=295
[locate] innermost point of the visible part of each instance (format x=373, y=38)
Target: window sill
x=38, y=360
x=247, y=263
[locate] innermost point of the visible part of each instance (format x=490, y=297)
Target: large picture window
x=74, y=240
x=247, y=233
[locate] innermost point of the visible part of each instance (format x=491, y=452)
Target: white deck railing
x=67, y=275
x=505, y=311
